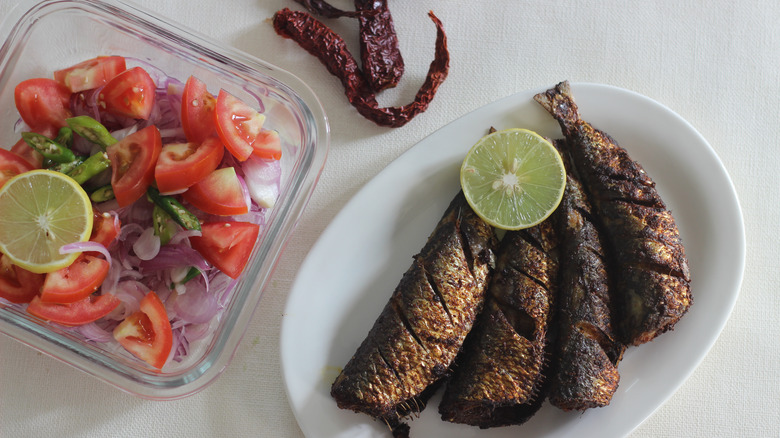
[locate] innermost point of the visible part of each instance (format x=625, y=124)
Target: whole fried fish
x=421, y=329
x=585, y=373
x=499, y=376
x=653, y=280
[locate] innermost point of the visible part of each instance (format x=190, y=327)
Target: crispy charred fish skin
x=653, y=280
x=422, y=327
x=499, y=375
x=585, y=373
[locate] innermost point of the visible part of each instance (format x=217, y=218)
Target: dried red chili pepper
x=319, y=40
x=321, y=7
x=380, y=54
x=379, y=50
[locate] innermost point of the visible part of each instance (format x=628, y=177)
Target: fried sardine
x=585, y=373
x=646, y=252
x=421, y=329
x=499, y=376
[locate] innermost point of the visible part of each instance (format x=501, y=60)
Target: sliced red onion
x=175, y=90
x=221, y=282
x=178, y=273
x=183, y=235
x=112, y=279
x=117, y=223
x=176, y=323
x=255, y=216
x=263, y=178
x=180, y=349
x=196, y=306
x=196, y=332
x=129, y=229
x=155, y=116
x=20, y=126
x=170, y=104
x=85, y=103
x=92, y=332
x=113, y=121
x=131, y=273
x=245, y=191
x=174, y=256
x=86, y=247
x=130, y=293
x=163, y=291
x=135, y=288
x=175, y=192
x=129, y=262
x=139, y=213
x=148, y=245
x=110, y=206
x=172, y=133
x=119, y=134
x=201, y=283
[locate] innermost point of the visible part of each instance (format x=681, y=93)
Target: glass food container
x=36, y=44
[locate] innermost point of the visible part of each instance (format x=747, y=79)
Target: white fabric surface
x=716, y=63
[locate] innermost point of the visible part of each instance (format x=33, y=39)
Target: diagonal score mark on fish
x=653, y=285
x=418, y=339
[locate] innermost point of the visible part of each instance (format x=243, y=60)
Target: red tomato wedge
x=238, y=125
x=18, y=285
x=43, y=104
x=197, y=111
x=11, y=165
x=267, y=145
x=147, y=333
x=219, y=193
x=91, y=73
x=129, y=94
x=81, y=312
x=105, y=228
x=227, y=245
x=75, y=282
x=181, y=165
x=132, y=164
x=29, y=154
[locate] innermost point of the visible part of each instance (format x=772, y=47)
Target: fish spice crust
x=421, y=329
x=498, y=378
x=585, y=373
x=652, y=290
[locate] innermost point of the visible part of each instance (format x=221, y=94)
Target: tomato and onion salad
x=155, y=297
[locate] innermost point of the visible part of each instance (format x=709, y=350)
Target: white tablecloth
x=715, y=63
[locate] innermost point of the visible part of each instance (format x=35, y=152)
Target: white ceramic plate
x=353, y=268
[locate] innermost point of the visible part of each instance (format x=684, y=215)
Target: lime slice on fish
x=513, y=179
x=40, y=211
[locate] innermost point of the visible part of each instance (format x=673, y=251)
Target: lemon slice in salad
x=40, y=211
x=513, y=178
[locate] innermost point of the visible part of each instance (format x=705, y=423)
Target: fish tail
x=559, y=102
